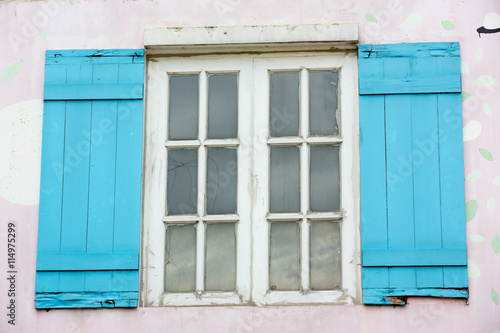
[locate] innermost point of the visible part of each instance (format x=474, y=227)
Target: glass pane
x=182, y=181
x=323, y=103
x=284, y=104
x=220, y=257
x=285, y=180
x=222, y=180
x=284, y=262
x=223, y=106
x=325, y=260
x=325, y=179
x=183, y=107
x=180, y=258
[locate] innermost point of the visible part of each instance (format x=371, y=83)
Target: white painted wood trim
x=155, y=221
x=252, y=226
x=177, y=40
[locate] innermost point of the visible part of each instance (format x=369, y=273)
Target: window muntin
x=254, y=220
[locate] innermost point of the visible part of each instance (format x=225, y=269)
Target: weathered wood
x=126, y=56
x=86, y=300
x=390, y=296
x=409, y=50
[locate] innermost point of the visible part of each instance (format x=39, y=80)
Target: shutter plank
x=128, y=176
x=399, y=183
x=452, y=184
x=373, y=174
x=373, y=183
x=102, y=188
x=49, y=231
x=101, y=228
x=92, y=91
x=410, y=85
x=426, y=174
x=75, y=188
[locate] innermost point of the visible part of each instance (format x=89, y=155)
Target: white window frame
x=310, y=41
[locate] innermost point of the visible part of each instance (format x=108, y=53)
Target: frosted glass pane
x=284, y=268
x=285, y=180
x=323, y=102
x=180, y=258
x=325, y=273
x=220, y=257
x=183, y=107
x=182, y=181
x=325, y=179
x=284, y=104
x=222, y=180
x=222, y=106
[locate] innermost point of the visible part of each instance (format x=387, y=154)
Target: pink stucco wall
x=28, y=28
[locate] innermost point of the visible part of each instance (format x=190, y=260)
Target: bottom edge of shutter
x=75, y=300
x=398, y=296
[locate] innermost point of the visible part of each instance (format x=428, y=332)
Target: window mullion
x=304, y=178
x=202, y=175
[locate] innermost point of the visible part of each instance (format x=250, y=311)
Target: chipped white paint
x=173, y=40
x=20, y=151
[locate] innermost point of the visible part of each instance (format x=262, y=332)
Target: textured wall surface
x=28, y=28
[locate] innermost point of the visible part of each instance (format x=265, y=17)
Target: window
x=250, y=179
x=251, y=172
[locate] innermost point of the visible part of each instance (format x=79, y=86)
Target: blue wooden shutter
x=90, y=191
x=412, y=178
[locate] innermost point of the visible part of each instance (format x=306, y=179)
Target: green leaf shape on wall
x=476, y=238
x=42, y=34
x=371, y=18
x=494, y=296
x=447, y=25
x=479, y=54
x=465, y=96
x=465, y=68
x=495, y=244
x=473, y=269
x=486, y=154
x=484, y=81
x=470, y=210
x=474, y=175
x=490, y=204
x=10, y=71
x=487, y=109
x=413, y=20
